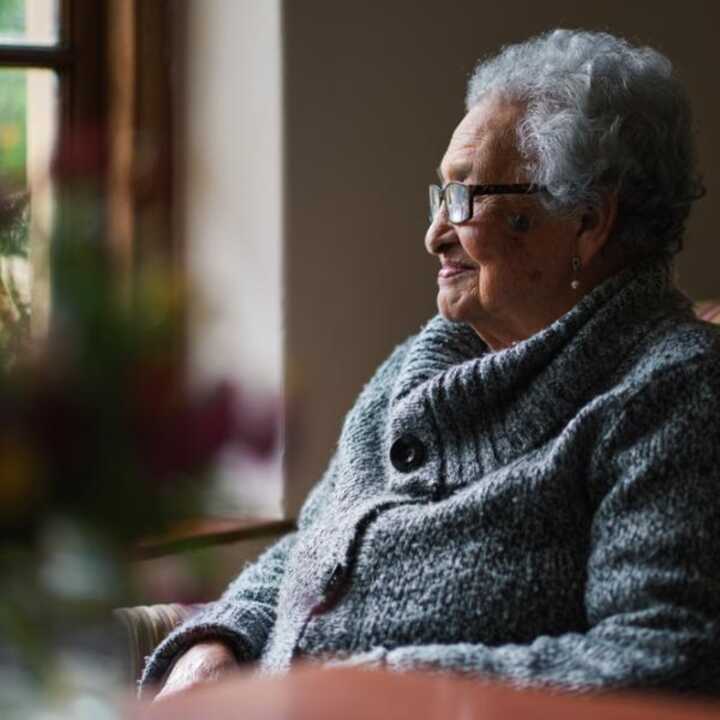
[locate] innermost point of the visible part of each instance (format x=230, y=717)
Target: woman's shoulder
x=677, y=364
x=662, y=408
x=674, y=340
x=680, y=344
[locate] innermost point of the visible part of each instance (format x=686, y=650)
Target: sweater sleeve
x=245, y=614
x=653, y=574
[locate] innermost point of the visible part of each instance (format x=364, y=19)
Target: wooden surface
x=204, y=531
x=319, y=694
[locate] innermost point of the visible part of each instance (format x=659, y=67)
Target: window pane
x=28, y=22
x=28, y=128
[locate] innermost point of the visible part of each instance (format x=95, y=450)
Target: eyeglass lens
x=435, y=201
x=456, y=196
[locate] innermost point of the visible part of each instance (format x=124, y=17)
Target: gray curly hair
x=602, y=116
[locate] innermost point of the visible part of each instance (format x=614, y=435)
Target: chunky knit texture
x=560, y=525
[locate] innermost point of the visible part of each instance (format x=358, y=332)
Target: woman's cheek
x=478, y=246
x=491, y=238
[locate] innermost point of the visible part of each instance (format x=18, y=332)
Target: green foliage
x=14, y=209
x=14, y=226
x=12, y=16
x=14, y=308
x=14, y=324
x=13, y=130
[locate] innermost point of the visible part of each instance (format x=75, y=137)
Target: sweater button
x=407, y=453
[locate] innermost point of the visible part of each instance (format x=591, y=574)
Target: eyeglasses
x=459, y=197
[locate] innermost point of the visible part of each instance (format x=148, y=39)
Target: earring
x=576, y=266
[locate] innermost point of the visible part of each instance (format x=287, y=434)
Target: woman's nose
x=440, y=233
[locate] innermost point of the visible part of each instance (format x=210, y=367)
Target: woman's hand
x=202, y=663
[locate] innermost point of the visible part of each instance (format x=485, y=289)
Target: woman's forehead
x=483, y=148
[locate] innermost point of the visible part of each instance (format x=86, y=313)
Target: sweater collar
x=519, y=395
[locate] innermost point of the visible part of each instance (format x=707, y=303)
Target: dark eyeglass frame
x=468, y=194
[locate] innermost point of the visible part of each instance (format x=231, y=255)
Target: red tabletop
x=353, y=694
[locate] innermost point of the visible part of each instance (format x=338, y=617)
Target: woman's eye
x=519, y=222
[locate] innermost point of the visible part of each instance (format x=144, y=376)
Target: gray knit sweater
x=546, y=514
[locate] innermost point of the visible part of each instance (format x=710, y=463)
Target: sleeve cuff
x=243, y=636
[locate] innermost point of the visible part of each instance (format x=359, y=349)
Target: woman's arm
x=241, y=620
x=653, y=576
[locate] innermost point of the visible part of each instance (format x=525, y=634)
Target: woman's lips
x=450, y=270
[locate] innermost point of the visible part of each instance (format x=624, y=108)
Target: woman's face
x=506, y=271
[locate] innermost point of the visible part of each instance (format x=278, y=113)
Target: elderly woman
x=527, y=489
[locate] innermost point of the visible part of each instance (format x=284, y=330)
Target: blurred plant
x=14, y=213
x=98, y=421
x=103, y=439
x=14, y=307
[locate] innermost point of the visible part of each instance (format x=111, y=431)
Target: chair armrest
x=146, y=626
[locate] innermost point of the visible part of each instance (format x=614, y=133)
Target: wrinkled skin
x=202, y=663
x=517, y=257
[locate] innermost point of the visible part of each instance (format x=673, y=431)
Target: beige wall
x=372, y=92
x=229, y=188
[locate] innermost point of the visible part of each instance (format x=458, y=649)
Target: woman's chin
x=456, y=308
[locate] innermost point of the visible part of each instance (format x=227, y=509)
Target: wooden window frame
x=101, y=45
x=79, y=58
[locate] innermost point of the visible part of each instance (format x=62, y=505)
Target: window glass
x=28, y=22
x=28, y=128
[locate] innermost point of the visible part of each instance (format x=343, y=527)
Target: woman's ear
x=596, y=225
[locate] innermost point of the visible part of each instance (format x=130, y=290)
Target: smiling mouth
x=453, y=270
